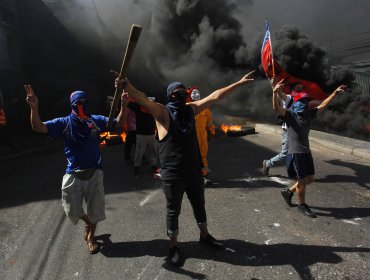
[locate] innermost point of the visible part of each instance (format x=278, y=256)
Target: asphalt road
x=265, y=239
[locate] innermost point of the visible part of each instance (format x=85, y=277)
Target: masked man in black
x=179, y=155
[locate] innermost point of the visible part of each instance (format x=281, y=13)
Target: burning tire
x=113, y=140
x=108, y=139
x=243, y=131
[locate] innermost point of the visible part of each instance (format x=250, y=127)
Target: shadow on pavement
x=38, y=177
x=237, y=252
x=179, y=270
x=343, y=213
x=242, y=183
x=361, y=174
x=237, y=163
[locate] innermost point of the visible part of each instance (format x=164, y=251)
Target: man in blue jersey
x=84, y=174
x=179, y=155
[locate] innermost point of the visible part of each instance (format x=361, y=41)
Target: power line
x=349, y=36
x=97, y=14
x=351, y=52
x=353, y=42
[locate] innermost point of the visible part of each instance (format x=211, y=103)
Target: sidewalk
x=331, y=141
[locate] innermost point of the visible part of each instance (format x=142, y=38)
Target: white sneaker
x=206, y=181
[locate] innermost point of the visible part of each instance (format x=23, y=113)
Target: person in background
x=203, y=124
x=130, y=128
x=286, y=101
x=84, y=174
x=145, y=138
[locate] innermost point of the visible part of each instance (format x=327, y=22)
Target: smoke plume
x=211, y=44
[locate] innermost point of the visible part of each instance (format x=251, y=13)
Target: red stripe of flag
x=273, y=69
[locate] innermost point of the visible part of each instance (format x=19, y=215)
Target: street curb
x=343, y=144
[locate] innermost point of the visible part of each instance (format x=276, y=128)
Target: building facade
x=361, y=70
x=9, y=50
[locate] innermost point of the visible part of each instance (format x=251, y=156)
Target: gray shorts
x=75, y=190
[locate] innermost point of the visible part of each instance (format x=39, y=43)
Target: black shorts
x=300, y=165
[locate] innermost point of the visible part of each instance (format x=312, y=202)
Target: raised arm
x=219, y=94
x=275, y=99
x=281, y=94
x=121, y=118
x=32, y=101
x=326, y=101
x=158, y=111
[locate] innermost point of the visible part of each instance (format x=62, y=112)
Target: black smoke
x=204, y=43
x=348, y=113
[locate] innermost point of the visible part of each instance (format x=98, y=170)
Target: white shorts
x=75, y=190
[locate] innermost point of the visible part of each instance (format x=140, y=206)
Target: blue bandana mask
x=79, y=104
x=80, y=122
x=300, y=106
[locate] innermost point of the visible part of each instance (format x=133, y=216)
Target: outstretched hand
x=340, y=89
x=247, y=78
x=31, y=98
x=279, y=86
x=125, y=84
x=118, y=82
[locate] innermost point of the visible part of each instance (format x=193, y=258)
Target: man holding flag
x=299, y=161
x=292, y=87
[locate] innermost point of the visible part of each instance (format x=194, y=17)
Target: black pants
x=174, y=191
x=130, y=141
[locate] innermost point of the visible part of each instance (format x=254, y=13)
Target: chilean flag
x=267, y=58
x=273, y=69
x=313, y=90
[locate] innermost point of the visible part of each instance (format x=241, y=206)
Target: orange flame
x=225, y=128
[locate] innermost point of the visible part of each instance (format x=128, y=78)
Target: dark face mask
x=178, y=98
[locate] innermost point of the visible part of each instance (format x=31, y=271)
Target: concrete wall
x=36, y=48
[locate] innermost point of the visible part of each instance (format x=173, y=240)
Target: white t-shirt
x=286, y=105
